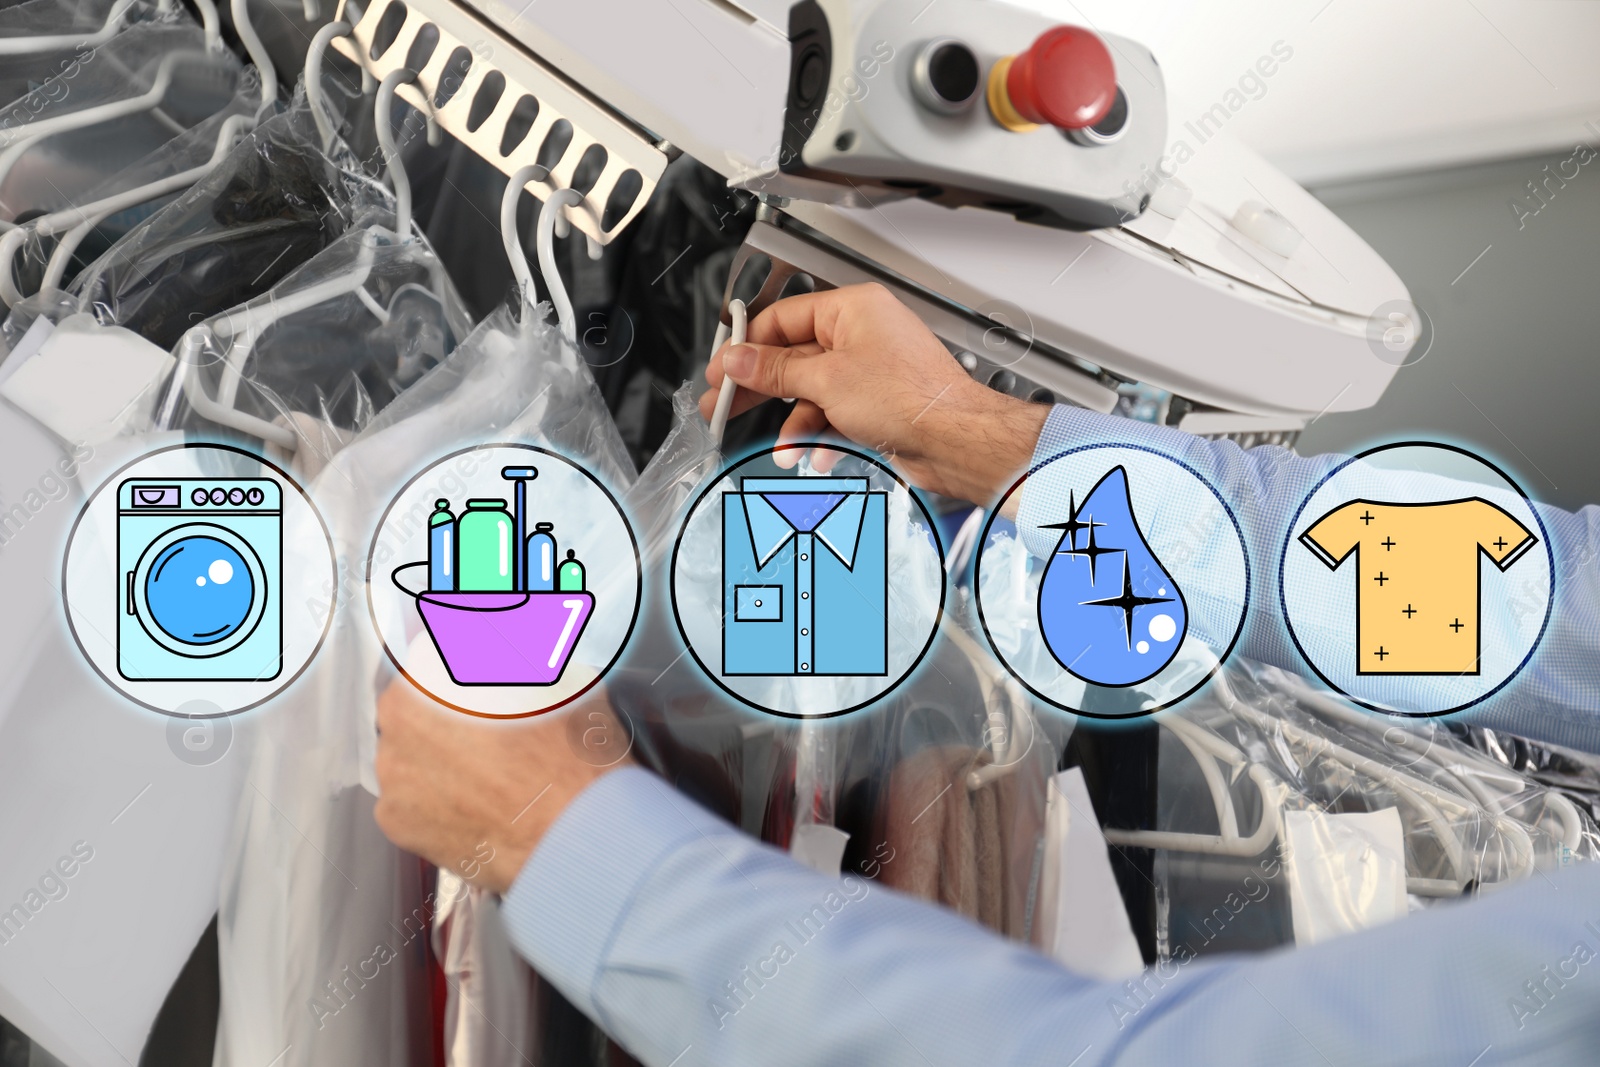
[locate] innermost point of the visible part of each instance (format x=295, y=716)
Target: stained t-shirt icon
x=1109, y=612
x=1418, y=587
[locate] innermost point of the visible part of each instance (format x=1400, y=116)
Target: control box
x=971, y=103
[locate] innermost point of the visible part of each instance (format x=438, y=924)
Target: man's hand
x=860, y=363
x=475, y=795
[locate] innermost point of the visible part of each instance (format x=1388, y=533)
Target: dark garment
x=275, y=202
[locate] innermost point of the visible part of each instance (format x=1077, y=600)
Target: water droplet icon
x=1109, y=612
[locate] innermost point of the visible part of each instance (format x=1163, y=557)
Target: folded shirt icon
x=804, y=574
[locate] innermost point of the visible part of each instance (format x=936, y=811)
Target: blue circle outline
x=287, y=479
x=1549, y=607
x=710, y=486
x=1238, y=631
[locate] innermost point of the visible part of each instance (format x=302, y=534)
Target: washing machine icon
x=200, y=564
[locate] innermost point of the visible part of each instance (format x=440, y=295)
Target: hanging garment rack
x=565, y=130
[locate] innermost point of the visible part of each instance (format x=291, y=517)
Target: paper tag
x=819, y=847
x=27, y=345
x=88, y=382
x=1346, y=872
x=1088, y=930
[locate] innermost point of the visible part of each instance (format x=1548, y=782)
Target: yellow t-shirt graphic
x=1417, y=588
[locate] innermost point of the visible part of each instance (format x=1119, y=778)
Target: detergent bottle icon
x=487, y=559
x=441, y=548
x=542, y=558
x=571, y=574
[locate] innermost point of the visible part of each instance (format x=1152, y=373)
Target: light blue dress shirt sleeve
x=693, y=944
x=1555, y=698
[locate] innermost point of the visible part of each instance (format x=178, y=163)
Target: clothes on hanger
x=340, y=360
x=1311, y=771
x=107, y=108
x=193, y=148
x=507, y=380
x=275, y=202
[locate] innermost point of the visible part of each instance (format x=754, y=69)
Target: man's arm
x=693, y=944
x=863, y=366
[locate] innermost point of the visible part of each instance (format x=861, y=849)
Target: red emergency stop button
x=1066, y=78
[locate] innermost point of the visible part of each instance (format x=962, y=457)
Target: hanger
x=190, y=349
x=210, y=24
x=1008, y=721
x=734, y=334
x=79, y=221
x=383, y=106
x=1433, y=790
x=258, y=54
x=148, y=100
x=25, y=46
x=509, y=235
x=242, y=328
x=1464, y=769
x=313, y=74
x=553, y=223
x=1210, y=751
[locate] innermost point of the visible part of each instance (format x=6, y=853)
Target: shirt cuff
x=579, y=884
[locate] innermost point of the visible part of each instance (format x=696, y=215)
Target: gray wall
x=1514, y=367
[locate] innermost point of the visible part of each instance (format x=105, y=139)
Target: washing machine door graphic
x=199, y=591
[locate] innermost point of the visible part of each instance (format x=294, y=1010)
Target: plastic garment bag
x=1358, y=817
x=1573, y=774
x=91, y=785
x=44, y=167
x=937, y=790
x=192, y=148
x=21, y=74
x=322, y=371
x=276, y=201
x=312, y=886
x=491, y=1007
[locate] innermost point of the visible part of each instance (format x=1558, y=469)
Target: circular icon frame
x=712, y=486
x=373, y=568
x=1290, y=538
x=1221, y=657
x=115, y=480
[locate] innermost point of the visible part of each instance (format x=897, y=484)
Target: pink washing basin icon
x=505, y=638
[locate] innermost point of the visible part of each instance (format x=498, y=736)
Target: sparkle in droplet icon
x=1104, y=591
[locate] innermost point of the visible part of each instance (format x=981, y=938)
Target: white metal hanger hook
x=383, y=106
x=313, y=73
x=550, y=216
x=509, y=235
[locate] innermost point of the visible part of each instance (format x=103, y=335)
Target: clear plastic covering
x=957, y=730
x=284, y=902
x=350, y=357
x=21, y=74
x=272, y=204
x=1250, y=773
x=1575, y=775
x=193, y=148
x=333, y=343
x=104, y=108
